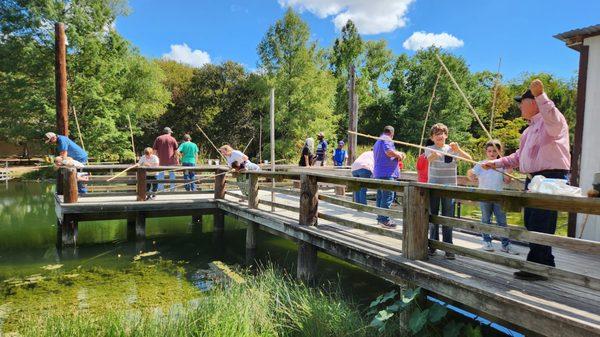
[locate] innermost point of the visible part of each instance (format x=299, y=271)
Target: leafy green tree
x=413, y=79
x=222, y=99
x=304, y=92
x=107, y=78
x=372, y=61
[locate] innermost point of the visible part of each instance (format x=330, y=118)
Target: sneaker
x=488, y=246
x=389, y=224
x=153, y=197
x=450, y=256
x=509, y=250
x=527, y=276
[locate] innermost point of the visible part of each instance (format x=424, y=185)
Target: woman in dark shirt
x=307, y=157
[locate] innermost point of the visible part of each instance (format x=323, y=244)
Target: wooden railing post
x=220, y=184
x=415, y=224
x=219, y=216
x=141, y=184
x=309, y=207
x=68, y=224
x=69, y=185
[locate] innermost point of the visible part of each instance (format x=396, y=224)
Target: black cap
x=527, y=94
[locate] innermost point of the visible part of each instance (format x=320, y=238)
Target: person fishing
x=442, y=170
x=165, y=146
x=68, y=149
x=237, y=160
x=149, y=159
x=543, y=150
x=188, y=152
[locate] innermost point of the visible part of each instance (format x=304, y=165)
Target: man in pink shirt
x=166, y=147
x=543, y=150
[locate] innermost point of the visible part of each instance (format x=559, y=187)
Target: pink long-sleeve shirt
x=544, y=144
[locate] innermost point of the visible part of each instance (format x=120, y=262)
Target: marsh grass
x=267, y=304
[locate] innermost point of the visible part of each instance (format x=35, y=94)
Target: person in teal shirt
x=188, y=152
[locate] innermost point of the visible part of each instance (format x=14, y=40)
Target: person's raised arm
x=554, y=121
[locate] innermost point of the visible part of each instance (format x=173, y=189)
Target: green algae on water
x=144, y=286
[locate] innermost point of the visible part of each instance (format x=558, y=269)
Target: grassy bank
x=155, y=300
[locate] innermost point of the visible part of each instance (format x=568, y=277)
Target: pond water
x=28, y=243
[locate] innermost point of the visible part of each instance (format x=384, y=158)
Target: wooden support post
x=219, y=221
x=140, y=226
x=67, y=231
x=251, y=235
x=69, y=185
x=131, y=229
x=415, y=224
x=309, y=207
x=141, y=184
x=220, y=185
x=60, y=79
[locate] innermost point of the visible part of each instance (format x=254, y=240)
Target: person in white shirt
x=149, y=159
x=237, y=160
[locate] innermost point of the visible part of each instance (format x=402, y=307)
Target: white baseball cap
x=49, y=136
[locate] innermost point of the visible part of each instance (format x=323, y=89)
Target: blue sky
x=520, y=32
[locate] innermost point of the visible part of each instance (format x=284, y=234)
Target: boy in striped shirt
x=442, y=170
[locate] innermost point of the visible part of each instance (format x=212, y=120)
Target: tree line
x=109, y=81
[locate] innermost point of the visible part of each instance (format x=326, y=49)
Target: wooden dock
x=567, y=304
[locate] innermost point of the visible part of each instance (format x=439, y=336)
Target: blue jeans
x=161, y=175
x=447, y=210
x=487, y=209
x=385, y=199
x=189, y=175
x=360, y=196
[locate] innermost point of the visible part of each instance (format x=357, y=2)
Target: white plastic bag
x=541, y=184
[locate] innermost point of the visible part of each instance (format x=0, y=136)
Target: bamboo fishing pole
x=193, y=181
x=437, y=79
x=250, y=142
x=495, y=97
x=78, y=128
x=464, y=97
x=211, y=143
x=434, y=150
x=122, y=172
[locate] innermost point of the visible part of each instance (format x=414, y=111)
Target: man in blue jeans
x=188, y=152
x=386, y=167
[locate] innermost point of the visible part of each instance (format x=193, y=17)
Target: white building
x=586, y=149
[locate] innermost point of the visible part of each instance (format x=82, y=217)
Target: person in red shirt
x=423, y=165
x=166, y=147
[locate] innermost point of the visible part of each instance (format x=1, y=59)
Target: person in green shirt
x=188, y=152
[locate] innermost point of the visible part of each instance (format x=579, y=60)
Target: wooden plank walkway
x=553, y=307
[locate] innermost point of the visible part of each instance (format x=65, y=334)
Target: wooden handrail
x=518, y=199
x=520, y=234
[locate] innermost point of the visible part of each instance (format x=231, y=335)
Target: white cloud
x=182, y=53
x=371, y=17
x=422, y=40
